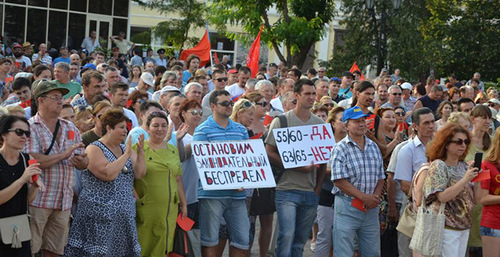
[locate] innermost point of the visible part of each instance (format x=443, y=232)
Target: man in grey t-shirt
x=297, y=191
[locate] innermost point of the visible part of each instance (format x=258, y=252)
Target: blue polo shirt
x=211, y=131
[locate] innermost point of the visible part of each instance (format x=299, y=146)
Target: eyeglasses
x=492, y=105
x=263, y=104
x=226, y=103
x=397, y=94
x=195, y=112
x=460, y=141
x=400, y=113
x=20, y=132
x=140, y=101
x=222, y=79
x=328, y=105
x=55, y=98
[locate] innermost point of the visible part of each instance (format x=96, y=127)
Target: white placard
x=232, y=164
x=298, y=146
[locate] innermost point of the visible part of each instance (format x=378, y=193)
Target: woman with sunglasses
x=17, y=187
x=160, y=192
x=95, y=133
x=328, y=102
x=83, y=118
x=402, y=125
x=261, y=108
x=481, y=141
x=448, y=182
x=444, y=111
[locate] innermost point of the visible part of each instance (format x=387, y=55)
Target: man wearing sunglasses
x=298, y=189
x=219, y=79
x=215, y=204
x=51, y=209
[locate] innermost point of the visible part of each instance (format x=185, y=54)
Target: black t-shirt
x=8, y=174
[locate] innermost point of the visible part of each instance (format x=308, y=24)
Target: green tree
x=175, y=32
x=461, y=37
x=300, y=23
x=404, y=45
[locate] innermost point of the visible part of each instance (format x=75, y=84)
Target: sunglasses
x=460, y=141
x=195, y=112
x=226, y=103
x=400, y=113
x=397, y=94
x=263, y=104
x=222, y=79
x=20, y=132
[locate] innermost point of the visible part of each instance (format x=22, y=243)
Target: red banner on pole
x=356, y=68
x=253, y=55
x=202, y=50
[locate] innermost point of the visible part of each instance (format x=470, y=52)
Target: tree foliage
x=175, y=32
x=441, y=36
x=300, y=23
x=461, y=37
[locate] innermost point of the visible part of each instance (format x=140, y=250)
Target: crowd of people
x=97, y=150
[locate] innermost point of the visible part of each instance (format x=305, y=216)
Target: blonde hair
x=493, y=155
x=241, y=105
x=455, y=116
x=13, y=109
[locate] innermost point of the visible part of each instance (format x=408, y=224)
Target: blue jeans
x=296, y=212
x=234, y=213
x=349, y=222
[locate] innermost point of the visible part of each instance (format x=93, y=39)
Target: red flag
x=356, y=68
x=253, y=55
x=202, y=50
x=216, y=59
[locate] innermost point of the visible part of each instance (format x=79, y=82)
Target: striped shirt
x=363, y=169
x=212, y=131
x=59, y=178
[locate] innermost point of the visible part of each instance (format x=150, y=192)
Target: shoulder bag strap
x=54, y=136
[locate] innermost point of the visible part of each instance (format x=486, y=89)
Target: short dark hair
x=20, y=82
x=296, y=72
x=7, y=121
x=244, y=69
x=89, y=75
x=364, y=85
x=312, y=71
x=112, y=118
x=273, y=65
x=117, y=85
x=153, y=115
x=215, y=72
x=297, y=87
x=464, y=100
x=147, y=104
x=160, y=69
x=217, y=93
x=415, y=116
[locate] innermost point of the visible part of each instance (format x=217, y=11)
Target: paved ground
x=255, y=248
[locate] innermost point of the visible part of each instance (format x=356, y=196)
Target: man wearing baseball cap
x=146, y=82
x=50, y=211
x=23, y=63
x=358, y=177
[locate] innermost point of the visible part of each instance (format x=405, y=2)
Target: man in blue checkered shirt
x=358, y=176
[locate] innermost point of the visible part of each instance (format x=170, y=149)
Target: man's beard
x=17, y=54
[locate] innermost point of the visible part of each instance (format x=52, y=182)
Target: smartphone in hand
x=478, y=158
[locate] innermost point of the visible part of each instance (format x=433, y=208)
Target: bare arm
x=391, y=197
x=274, y=156
x=487, y=199
x=451, y=192
x=47, y=161
x=32, y=192
x=138, y=159
x=418, y=105
x=371, y=201
x=405, y=186
x=7, y=193
x=101, y=167
x=320, y=176
x=182, y=196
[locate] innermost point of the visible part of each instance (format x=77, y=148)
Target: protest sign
x=299, y=146
x=232, y=164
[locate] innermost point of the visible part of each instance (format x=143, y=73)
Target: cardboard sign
x=232, y=164
x=299, y=146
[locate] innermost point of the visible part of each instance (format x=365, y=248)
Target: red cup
x=31, y=162
x=71, y=135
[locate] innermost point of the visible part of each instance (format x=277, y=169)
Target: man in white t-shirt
x=23, y=63
x=238, y=88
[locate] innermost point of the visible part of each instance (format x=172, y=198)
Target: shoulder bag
x=16, y=229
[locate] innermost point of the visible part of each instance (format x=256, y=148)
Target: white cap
x=148, y=79
x=407, y=85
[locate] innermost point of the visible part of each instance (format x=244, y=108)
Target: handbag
x=407, y=220
x=182, y=245
x=429, y=231
x=16, y=229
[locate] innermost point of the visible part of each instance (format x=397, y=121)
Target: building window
x=76, y=32
x=57, y=28
x=59, y=4
x=16, y=1
x=37, y=26
x=78, y=5
x=41, y=3
x=14, y=23
x=121, y=8
x=120, y=25
x=100, y=6
x=140, y=35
